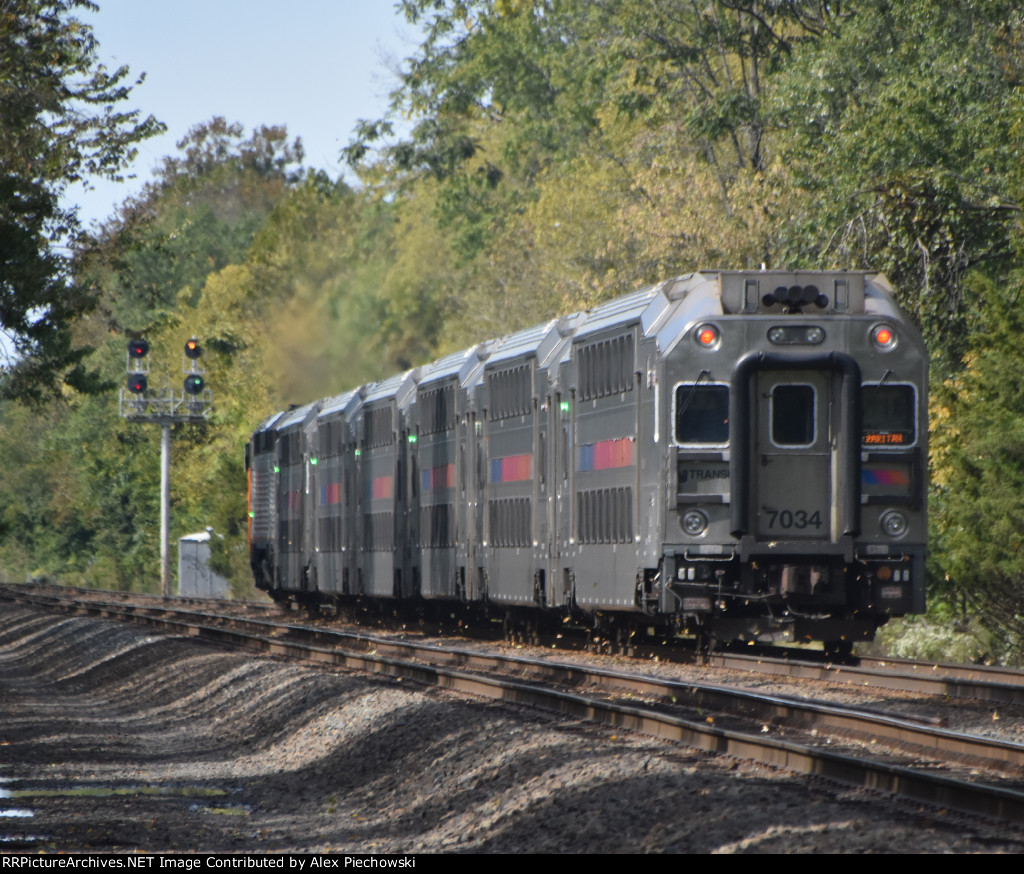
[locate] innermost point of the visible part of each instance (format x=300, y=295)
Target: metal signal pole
x=166, y=408
x=165, y=508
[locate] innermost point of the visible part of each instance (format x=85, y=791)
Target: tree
x=977, y=466
x=903, y=129
x=60, y=126
x=170, y=263
x=199, y=214
x=573, y=150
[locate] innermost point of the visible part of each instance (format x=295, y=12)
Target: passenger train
x=738, y=454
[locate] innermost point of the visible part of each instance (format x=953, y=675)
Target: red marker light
x=707, y=336
x=883, y=337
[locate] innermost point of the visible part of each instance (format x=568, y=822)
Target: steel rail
x=994, y=684
x=925, y=736
x=966, y=683
x=900, y=781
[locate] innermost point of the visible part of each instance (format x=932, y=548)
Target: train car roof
x=625, y=310
x=297, y=415
x=548, y=342
x=268, y=423
x=399, y=387
x=521, y=343
x=472, y=370
x=449, y=366
x=663, y=310
x=557, y=345
x=337, y=404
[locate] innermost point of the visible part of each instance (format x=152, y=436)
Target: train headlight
x=707, y=336
x=883, y=337
x=894, y=524
x=796, y=335
x=694, y=522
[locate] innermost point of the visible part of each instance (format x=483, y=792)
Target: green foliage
x=318, y=266
x=900, y=127
x=200, y=214
x=933, y=640
x=60, y=126
x=93, y=477
x=79, y=486
x=572, y=150
x=978, y=472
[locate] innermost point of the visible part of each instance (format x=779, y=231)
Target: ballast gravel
x=113, y=739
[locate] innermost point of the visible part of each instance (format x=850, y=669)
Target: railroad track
x=994, y=684
x=906, y=757
x=969, y=682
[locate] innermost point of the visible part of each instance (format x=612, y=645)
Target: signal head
x=192, y=349
x=194, y=384
x=137, y=383
x=138, y=348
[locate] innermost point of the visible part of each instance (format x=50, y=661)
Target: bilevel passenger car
x=739, y=453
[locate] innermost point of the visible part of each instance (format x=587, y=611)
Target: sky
x=316, y=66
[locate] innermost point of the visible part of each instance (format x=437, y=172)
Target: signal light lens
x=707, y=336
x=194, y=384
x=138, y=349
x=883, y=337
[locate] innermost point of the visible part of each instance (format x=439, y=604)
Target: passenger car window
x=702, y=414
x=793, y=415
x=888, y=415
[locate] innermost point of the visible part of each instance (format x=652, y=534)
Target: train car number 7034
x=799, y=519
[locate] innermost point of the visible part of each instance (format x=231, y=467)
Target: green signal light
x=277, y=469
x=564, y=406
x=359, y=452
x=413, y=438
x=313, y=462
x=252, y=515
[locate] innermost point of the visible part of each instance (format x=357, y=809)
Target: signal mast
x=165, y=407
